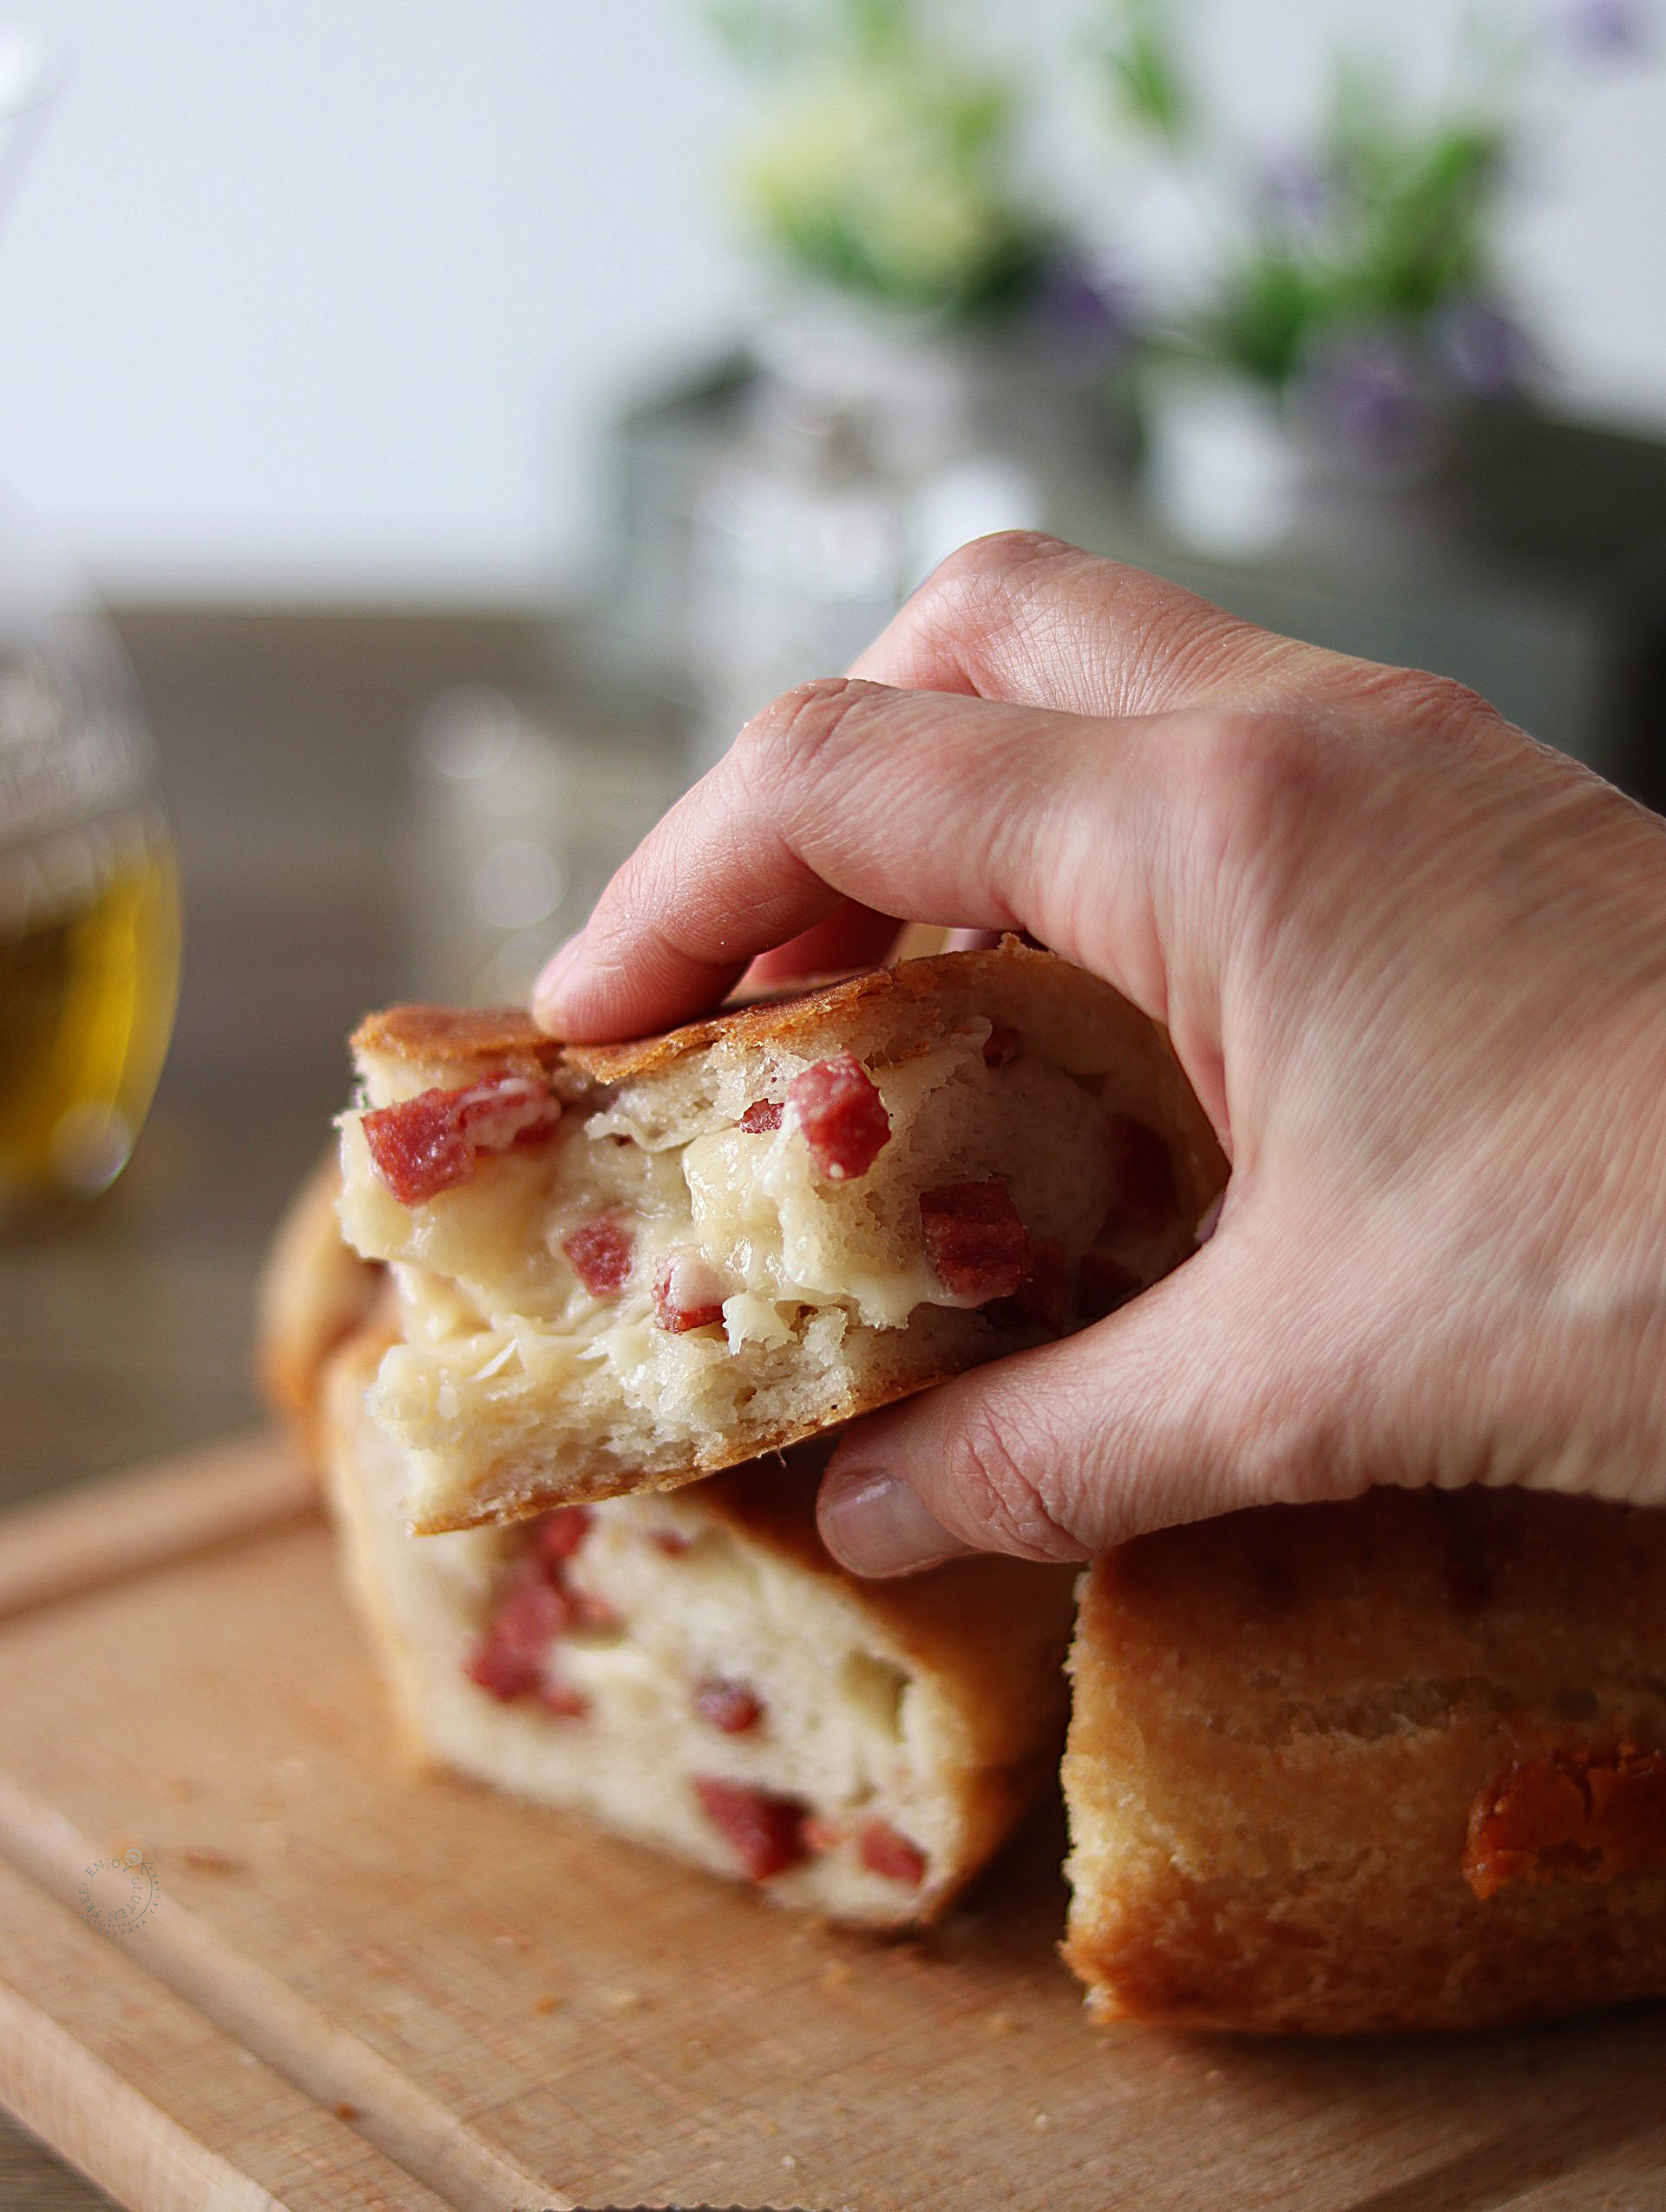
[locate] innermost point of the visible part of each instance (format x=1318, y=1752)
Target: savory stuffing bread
x=693, y=1671
x=314, y=1291
x=621, y=1267
x=1395, y=1764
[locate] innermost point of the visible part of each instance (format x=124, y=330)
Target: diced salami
x=556, y=1535
x=688, y=1292
x=428, y=1144
x=565, y=1702
x=511, y=1657
x=1143, y=1188
x=765, y=1832
x=978, y=1247
x=589, y=1614
x=731, y=1707
x=762, y=1115
x=885, y=1852
x=417, y=1147
x=836, y=1107
x=599, y=1254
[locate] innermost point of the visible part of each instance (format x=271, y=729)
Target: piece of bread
x=314, y=1291
x=1395, y=1764
x=693, y=1671
x=624, y=1267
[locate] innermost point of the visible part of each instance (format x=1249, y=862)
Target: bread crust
x=1287, y=1725
x=314, y=1292
x=1072, y=1022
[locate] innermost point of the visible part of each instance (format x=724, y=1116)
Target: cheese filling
x=724, y=1257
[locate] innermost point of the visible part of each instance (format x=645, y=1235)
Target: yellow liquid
x=89, y=951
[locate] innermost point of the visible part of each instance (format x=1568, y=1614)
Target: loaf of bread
x=693, y=1671
x=1395, y=1764
x=621, y=1267
x=314, y=1292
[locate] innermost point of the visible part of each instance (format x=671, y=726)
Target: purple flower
x=1610, y=28
x=1294, y=192
x=1485, y=351
x=1088, y=311
x=1366, y=392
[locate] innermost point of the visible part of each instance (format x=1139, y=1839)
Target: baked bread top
x=634, y=1264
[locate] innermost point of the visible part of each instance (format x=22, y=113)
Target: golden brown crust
x=1284, y=1722
x=480, y=1040
x=314, y=1291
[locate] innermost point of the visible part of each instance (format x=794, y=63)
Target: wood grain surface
x=491, y=2007
x=124, y=1327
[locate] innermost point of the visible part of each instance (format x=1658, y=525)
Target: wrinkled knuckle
x=989, y=1468
x=1439, y=705
x=986, y=574
x=787, y=738
x=1252, y=774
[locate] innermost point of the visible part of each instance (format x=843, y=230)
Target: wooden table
x=124, y=1334
x=124, y=1330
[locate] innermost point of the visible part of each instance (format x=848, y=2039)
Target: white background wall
x=330, y=296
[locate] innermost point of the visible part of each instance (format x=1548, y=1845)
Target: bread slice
x=1395, y=1764
x=623, y=1266
x=693, y=1671
x=314, y=1291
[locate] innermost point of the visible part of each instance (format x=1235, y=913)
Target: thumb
x=1204, y=1395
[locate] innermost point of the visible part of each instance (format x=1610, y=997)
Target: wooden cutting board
x=348, y=1985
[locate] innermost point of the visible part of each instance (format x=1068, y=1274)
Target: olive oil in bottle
x=88, y=928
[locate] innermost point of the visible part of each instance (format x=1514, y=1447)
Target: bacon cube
x=978, y=1246
x=511, y=1656
x=565, y=1702
x=836, y=1108
x=599, y=1254
x=887, y=1853
x=765, y=1832
x=1143, y=1188
x=763, y=1115
x=688, y=1292
x=729, y=1707
x=428, y=1144
x=557, y=1536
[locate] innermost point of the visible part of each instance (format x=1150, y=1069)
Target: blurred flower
x=1486, y=350
x=1608, y=28
x=1096, y=312
x=1368, y=391
x=1293, y=192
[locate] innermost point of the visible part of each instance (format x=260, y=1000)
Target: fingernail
x=875, y=1525
x=546, y=991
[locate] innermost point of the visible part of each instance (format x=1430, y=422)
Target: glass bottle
x=89, y=933
x=88, y=901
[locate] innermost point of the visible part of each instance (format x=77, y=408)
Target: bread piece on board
x=1395, y=1764
x=314, y=1291
x=621, y=1267
x=693, y=1671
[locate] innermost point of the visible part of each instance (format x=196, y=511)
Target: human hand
x=1413, y=963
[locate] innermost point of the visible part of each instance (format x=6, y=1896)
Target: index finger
x=1034, y=621
x=945, y=809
